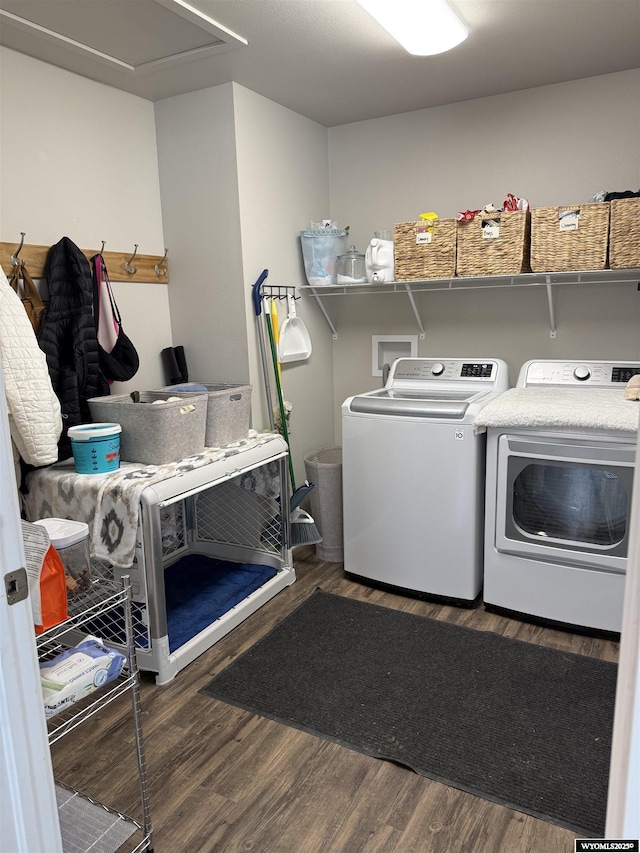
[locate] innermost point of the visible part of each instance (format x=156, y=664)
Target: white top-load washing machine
x=561, y=448
x=413, y=477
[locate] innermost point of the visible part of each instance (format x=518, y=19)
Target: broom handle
x=285, y=431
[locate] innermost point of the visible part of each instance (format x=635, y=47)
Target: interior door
x=623, y=815
x=29, y=815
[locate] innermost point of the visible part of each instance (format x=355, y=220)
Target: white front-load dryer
x=561, y=451
x=413, y=477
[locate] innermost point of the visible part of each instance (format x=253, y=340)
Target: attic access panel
x=132, y=37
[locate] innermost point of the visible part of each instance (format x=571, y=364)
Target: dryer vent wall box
x=385, y=349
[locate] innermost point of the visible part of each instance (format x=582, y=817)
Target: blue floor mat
x=199, y=589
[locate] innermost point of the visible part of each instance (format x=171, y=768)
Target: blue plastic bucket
x=95, y=447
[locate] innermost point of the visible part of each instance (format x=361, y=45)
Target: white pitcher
x=379, y=258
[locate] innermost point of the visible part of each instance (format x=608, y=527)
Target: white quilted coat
x=34, y=410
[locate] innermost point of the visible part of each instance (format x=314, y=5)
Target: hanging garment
x=68, y=337
x=34, y=409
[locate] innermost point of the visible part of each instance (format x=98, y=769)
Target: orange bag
x=53, y=591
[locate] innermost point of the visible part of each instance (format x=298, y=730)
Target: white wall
x=240, y=176
x=199, y=186
x=553, y=145
x=78, y=159
x=283, y=180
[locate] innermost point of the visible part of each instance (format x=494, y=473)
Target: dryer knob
x=437, y=369
x=582, y=373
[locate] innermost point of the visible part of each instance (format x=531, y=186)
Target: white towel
x=560, y=408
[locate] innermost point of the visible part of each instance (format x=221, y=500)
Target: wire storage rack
x=85, y=823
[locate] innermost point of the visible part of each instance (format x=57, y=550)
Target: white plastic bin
x=324, y=468
x=71, y=541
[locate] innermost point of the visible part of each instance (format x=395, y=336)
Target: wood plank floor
x=225, y=781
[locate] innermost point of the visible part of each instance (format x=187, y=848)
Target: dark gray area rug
x=519, y=724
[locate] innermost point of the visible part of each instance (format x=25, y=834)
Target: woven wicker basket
x=556, y=250
x=507, y=253
x=425, y=249
x=624, y=234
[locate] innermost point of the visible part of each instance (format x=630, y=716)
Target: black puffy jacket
x=68, y=337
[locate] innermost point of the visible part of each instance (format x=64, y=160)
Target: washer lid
x=430, y=404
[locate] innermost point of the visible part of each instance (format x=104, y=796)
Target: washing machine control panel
x=445, y=370
x=593, y=374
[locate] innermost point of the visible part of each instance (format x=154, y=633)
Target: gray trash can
x=324, y=468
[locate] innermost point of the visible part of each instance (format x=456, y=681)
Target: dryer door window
x=577, y=504
x=564, y=499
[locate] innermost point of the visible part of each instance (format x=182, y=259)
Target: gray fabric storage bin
x=154, y=434
x=324, y=469
x=228, y=410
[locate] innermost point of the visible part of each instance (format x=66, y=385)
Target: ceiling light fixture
x=422, y=27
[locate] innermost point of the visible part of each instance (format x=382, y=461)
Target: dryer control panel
x=578, y=374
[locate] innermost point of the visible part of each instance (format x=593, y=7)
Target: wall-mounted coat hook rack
x=158, y=267
x=35, y=257
x=132, y=270
x=15, y=261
